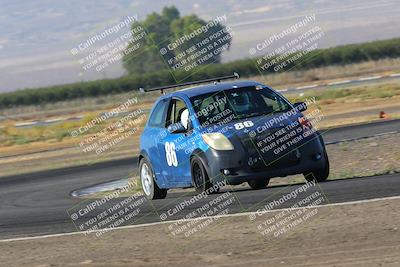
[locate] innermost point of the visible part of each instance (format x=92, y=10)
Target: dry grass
x=278, y=80
x=330, y=73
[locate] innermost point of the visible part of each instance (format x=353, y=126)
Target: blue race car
x=227, y=133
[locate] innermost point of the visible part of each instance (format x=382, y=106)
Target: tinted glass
x=175, y=110
x=156, y=119
x=241, y=103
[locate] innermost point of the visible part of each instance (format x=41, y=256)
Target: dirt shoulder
x=365, y=234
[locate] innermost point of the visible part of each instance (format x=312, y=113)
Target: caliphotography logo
x=224, y=133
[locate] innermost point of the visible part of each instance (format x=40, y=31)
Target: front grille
x=278, y=163
x=266, y=159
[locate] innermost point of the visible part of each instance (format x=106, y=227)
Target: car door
x=155, y=130
x=173, y=148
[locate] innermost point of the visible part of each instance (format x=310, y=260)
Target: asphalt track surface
x=37, y=203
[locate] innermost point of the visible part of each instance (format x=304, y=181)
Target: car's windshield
x=238, y=103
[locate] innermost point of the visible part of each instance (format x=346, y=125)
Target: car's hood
x=254, y=126
x=257, y=137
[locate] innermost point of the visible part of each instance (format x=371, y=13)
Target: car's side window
x=156, y=118
x=274, y=102
x=179, y=108
x=175, y=110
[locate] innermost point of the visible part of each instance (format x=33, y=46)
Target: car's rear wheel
x=149, y=186
x=319, y=175
x=258, y=183
x=200, y=178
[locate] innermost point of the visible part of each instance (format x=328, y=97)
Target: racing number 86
x=240, y=125
x=170, y=153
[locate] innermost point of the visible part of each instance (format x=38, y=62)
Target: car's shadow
x=192, y=192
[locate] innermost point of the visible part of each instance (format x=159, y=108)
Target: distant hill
x=36, y=37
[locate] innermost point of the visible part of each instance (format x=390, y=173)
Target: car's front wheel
x=319, y=175
x=149, y=186
x=200, y=178
x=258, y=183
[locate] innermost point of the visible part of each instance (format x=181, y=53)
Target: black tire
x=319, y=175
x=149, y=186
x=201, y=181
x=258, y=183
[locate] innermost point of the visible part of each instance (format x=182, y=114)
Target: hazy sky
x=37, y=36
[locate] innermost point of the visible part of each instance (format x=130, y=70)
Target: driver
x=241, y=102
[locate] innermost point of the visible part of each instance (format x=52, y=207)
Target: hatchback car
x=227, y=133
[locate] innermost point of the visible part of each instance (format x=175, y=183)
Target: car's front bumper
x=238, y=166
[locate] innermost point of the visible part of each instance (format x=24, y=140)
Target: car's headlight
x=218, y=141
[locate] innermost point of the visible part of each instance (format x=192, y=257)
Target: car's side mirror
x=300, y=106
x=176, y=128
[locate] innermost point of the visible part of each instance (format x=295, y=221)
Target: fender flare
x=319, y=135
x=201, y=155
x=143, y=154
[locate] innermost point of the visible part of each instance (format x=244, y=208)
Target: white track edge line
x=369, y=78
x=339, y=82
x=192, y=219
x=307, y=86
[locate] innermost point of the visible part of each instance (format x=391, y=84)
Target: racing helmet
x=241, y=102
x=185, y=118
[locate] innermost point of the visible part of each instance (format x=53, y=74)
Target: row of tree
x=322, y=57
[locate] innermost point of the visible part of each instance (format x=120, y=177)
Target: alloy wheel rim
x=198, y=176
x=146, y=179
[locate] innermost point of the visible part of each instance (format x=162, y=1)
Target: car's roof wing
x=217, y=79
